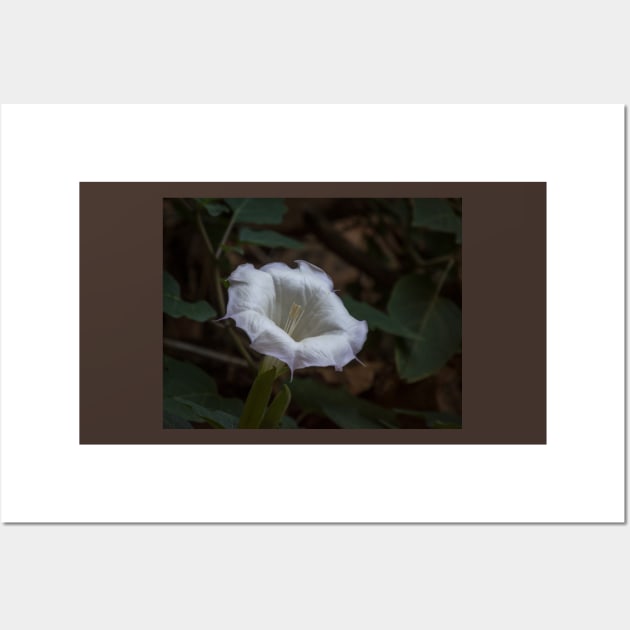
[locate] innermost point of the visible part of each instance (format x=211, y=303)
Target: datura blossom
x=294, y=315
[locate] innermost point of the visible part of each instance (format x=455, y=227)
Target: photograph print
x=319, y=313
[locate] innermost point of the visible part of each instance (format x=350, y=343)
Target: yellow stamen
x=295, y=315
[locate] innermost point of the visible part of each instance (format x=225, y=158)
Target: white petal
x=266, y=337
x=326, y=314
x=302, y=286
x=313, y=273
x=250, y=290
x=316, y=274
x=323, y=351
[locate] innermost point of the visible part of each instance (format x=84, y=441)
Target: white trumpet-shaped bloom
x=294, y=315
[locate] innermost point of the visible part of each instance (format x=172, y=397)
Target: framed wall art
x=449, y=350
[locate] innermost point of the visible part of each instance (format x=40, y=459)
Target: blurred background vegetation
x=395, y=262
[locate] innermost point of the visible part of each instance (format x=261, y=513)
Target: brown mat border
x=504, y=323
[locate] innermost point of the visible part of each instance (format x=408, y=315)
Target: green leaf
x=434, y=324
x=351, y=418
x=408, y=301
x=174, y=306
x=288, y=423
x=376, y=319
x=174, y=421
x=217, y=417
x=185, y=379
x=233, y=406
x=277, y=409
x=436, y=214
x=213, y=207
x=438, y=341
x=222, y=413
x=257, y=400
x=176, y=412
x=260, y=211
x=346, y=410
x=267, y=238
x=223, y=419
x=184, y=410
x=190, y=395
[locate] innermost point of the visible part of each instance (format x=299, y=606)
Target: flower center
x=295, y=315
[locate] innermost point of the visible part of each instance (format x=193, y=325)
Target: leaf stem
x=449, y=263
x=436, y=294
x=219, y=292
x=204, y=234
x=228, y=229
x=184, y=346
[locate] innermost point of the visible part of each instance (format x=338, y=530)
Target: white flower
x=294, y=315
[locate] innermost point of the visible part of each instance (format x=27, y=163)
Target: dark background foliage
x=396, y=263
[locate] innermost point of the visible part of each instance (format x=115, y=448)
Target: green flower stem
x=269, y=363
x=257, y=400
x=277, y=409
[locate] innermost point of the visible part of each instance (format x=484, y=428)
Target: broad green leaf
x=346, y=410
x=174, y=306
x=216, y=417
x=374, y=317
x=183, y=410
x=257, y=210
x=346, y=417
x=190, y=395
x=439, y=339
x=220, y=412
x=177, y=411
x=434, y=324
x=223, y=419
x=233, y=406
x=267, y=238
x=436, y=214
x=408, y=301
x=174, y=421
x=185, y=379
